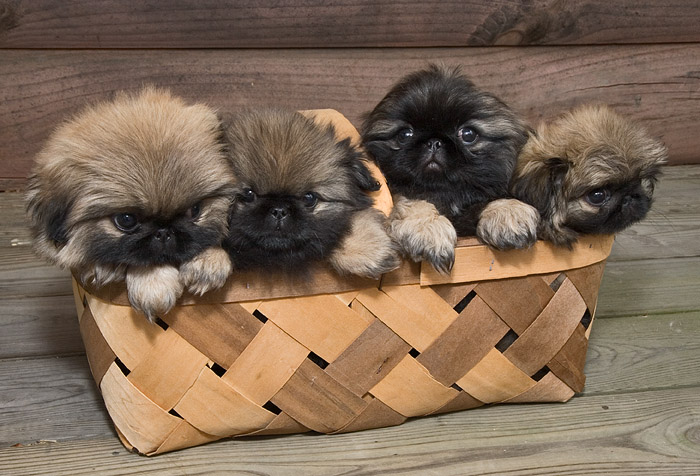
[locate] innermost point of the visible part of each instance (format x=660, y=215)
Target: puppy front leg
x=208, y=270
x=423, y=233
x=367, y=250
x=102, y=274
x=153, y=290
x=507, y=224
x=558, y=233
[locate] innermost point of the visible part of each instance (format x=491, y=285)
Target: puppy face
x=141, y=180
x=589, y=171
x=298, y=187
x=435, y=136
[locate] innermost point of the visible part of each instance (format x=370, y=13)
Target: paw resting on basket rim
x=208, y=270
x=508, y=224
x=153, y=290
x=367, y=250
x=423, y=234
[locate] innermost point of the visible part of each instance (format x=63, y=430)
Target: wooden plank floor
x=639, y=413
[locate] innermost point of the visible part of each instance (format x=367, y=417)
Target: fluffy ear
x=539, y=183
x=379, y=149
x=360, y=173
x=48, y=216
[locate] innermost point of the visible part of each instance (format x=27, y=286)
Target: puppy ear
x=49, y=217
x=538, y=183
x=379, y=149
x=361, y=174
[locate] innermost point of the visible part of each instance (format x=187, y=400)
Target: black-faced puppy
x=301, y=198
x=588, y=171
x=437, y=138
x=135, y=189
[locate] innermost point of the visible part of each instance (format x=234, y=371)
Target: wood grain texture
x=672, y=226
x=665, y=348
x=658, y=85
x=645, y=433
x=649, y=287
x=45, y=325
x=348, y=23
x=51, y=398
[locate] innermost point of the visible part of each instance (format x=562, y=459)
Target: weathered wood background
x=541, y=56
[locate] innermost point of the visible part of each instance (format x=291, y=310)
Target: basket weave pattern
x=361, y=355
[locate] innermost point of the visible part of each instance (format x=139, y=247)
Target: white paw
x=508, y=224
x=208, y=270
x=153, y=290
x=423, y=234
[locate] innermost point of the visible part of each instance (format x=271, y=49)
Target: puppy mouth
x=433, y=163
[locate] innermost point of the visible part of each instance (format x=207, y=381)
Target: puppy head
x=298, y=187
x=140, y=180
x=436, y=136
x=589, y=171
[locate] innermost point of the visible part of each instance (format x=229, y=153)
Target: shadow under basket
x=272, y=355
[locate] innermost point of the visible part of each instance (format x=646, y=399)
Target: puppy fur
x=438, y=138
x=588, y=171
x=133, y=189
x=301, y=197
x=423, y=233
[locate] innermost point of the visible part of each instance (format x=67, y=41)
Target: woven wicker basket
x=278, y=354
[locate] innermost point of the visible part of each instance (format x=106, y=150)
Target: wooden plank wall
x=541, y=56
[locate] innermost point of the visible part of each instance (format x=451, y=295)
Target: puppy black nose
x=434, y=144
x=163, y=235
x=280, y=213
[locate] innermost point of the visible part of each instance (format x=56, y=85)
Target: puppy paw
x=153, y=290
x=559, y=235
x=508, y=224
x=100, y=275
x=367, y=250
x=423, y=234
x=208, y=270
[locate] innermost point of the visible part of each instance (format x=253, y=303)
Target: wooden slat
x=656, y=84
x=637, y=352
x=672, y=226
x=216, y=24
x=645, y=433
x=50, y=399
x=649, y=287
x=39, y=326
x=56, y=399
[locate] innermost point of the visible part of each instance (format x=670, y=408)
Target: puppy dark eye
x=248, y=195
x=310, y=199
x=598, y=197
x=468, y=135
x=404, y=136
x=126, y=222
x=194, y=212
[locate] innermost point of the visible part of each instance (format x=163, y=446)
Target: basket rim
x=474, y=262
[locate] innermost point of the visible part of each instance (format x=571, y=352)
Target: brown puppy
x=136, y=189
x=589, y=171
x=301, y=197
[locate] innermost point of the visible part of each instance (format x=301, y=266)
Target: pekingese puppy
x=439, y=139
x=135, y=189
x=588, y=171
x=301, y=198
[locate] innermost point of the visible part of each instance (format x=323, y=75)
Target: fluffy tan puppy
x=302, y=198
x=135, y=189
x=588, y=171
